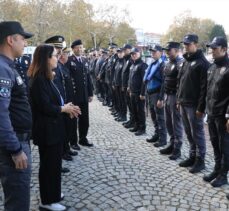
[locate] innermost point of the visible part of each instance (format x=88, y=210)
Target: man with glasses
x=191, y=100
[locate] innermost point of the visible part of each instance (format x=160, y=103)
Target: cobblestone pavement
x=124, y=172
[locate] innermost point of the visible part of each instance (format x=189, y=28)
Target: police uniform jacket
x=46, y=102
x=15, y=114
x=137, y=72
x=117, y=81
x=218, y=88
x=81, y=80
x=171, y=71
x=103, y=70
x=192, y=81
x=126, y=71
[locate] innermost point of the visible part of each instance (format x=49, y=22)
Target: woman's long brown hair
x=39, y=65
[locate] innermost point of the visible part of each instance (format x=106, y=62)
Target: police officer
x=117, y=84
x=154, y=80
x=109, y=75
x=22, y=65
x=218, y=111
x=15, y=120
x=125, y=79
x=136, y=89
x=83, y=92
x=191, y=94
x=101, y=77
x=172, y=115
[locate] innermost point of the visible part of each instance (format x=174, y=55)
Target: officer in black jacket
x=15, y=120
x=172, y=115
x=136, y=88
x=191, y=97
x=125, y=79
x=83, y=91
x=217, y=110
x=117, y=85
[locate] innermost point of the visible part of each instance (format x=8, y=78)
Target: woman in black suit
x=48, y=126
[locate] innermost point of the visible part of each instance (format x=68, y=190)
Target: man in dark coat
x=218, y=111
x=83, y=91
x=191, y=97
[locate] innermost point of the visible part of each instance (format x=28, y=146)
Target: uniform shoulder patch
x=5, y=87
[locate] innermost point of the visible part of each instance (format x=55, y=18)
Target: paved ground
x=124, y=172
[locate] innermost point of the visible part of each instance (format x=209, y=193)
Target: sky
x=156, y=15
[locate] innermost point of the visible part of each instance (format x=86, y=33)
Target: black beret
x=76, y=42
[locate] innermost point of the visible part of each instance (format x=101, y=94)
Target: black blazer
x=81, y=80
x=48, y=125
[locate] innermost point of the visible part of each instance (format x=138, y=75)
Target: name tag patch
x=19, y=80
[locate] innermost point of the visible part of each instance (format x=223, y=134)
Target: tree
x=217, y=30
x=184, y=24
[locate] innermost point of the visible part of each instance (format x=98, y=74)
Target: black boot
x=198, y=165
x=168, y=150
x=154, y=138
x=140, y=132
x=212, y=175
x=129, y=125
x=135, y=129
x=188, y=162
x=220, y=180
x=160, y=143
x=176, y=154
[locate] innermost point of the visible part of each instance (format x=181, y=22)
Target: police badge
x=173, y=66
x=222, y=70
x=19, y=80
x=193, y=63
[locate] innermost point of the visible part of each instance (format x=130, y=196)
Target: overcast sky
x=157, y=15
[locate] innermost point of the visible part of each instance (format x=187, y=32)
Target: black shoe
x=211, y=176
x=85, y=143
x=227, y=196
x=188, y=162
x=75, y=147
x=220, y=180
x=154, y=139
x=125, y=123
x=65, y=170
x=122, y=119
x=139, y=132
x=198, y=165
x=67, y=157
x=135, y=129
x=72, y=153
x=130, y=125
x=167, y=151
x=160, y=144
x=176, y=154
x=104, y=103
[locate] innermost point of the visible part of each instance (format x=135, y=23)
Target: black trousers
x=83, y=121
x=72, y=131
x=50, y=173
x=220, y=141
x=138, y=108
x=118, y=103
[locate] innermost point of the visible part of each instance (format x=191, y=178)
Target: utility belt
x=23, y=137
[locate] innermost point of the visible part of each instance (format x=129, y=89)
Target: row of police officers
x=180, y=90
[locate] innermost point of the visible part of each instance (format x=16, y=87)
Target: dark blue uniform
x=15, y=128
